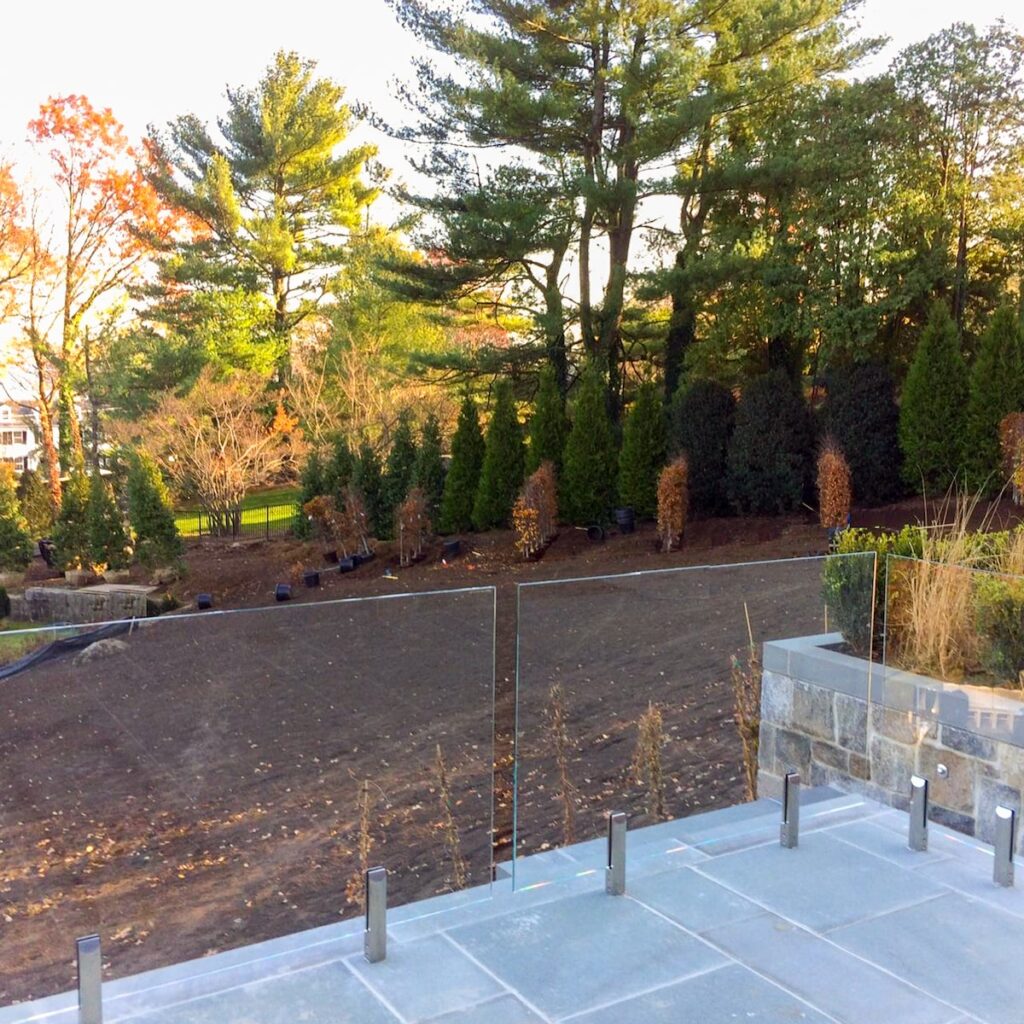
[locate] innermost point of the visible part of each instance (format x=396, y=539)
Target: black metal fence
x=264, y=521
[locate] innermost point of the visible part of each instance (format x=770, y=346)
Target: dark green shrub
x=398, y=473
x=338, y=465
x=501, y=474
x=463, y=478
x=590, y=462
x=150, y=514
x=15, y=544
x=999, y=619
x=5, y=604
x=702, y=417
x=861, y=413
x=36, y=503
x=995, y=390
x=933, y=418
x=548, y=425
x=428, y=473
x=108, y=539
x=642, y=456
x=70, y=531
x=770, y=453
x=368, y=480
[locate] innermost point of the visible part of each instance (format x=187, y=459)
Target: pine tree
x=70, y=532
x=643, y=453
x=338, y=465
x=590, y=461
x=399, y=467
x=933, y=416
x=108, y=540
x=463, y=479
x=702, y=417
x=368, y=480
x=770, y=452
x=15, y=545
x=996, y=389
x=428, y=474
x=150, y=514
x=501, y=474
x=548, y=425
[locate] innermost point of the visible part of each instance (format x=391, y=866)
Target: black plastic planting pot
x=595, y=533
x=204, y=602
x=626, y=519
x=452, y=549
x=311, y=578
x=346, y=564
x=283, y=592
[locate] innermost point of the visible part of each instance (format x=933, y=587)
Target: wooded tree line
x=679, y=200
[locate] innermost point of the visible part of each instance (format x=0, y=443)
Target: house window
x=9, y=437
x=19, y=465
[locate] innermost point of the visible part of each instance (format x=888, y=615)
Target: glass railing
x=954, y=657
x=189, y=784
x=641, y=693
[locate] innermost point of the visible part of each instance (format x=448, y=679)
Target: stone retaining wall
x=105, y=603
x=845, y=722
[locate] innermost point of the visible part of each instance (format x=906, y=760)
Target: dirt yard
x=208, y=781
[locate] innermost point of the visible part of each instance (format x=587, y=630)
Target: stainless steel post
x=615, y=871
x=789, y=833
x=1006, y=831
x=90, y=980
x=918, y=813
x=375, y=941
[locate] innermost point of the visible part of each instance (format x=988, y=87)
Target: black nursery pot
x=626, y=519
x=452, y=549
x=204, y=602
x=311, y=578
x=346, y=564
x=283, y=592
x=595, y=533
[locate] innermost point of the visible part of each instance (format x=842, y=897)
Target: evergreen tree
x=337, y=468
x=398, y=468
x=996, y=389
x=150, y=514
x=548, y=425
x=590, y=460
x=70, y=531
x=643, y=453
x=701, y=421
x=15, y=545
x=861, y=413
x=770, y=453
x=501, y=474
x=368, y=480
x=933, y=416
x=108, y=540
x=463, y=479
x=36, y=503
x=428, y=474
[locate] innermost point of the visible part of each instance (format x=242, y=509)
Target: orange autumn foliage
x=673, y=502
x=835, y=492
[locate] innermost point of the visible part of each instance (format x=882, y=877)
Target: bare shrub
x=412, y=525
x=646, y=765
x=746, y=692
x=1011, y=443
x=673, y=503
x=835, y=494
x=558, y=726
x=535, y=512
x=355, y=889
x=451, y=832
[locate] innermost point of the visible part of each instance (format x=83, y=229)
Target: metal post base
x=789, y=832
x=375, y=940
x=1006, y=833
x=918, y=838
x=90, y=980
x=615, y=871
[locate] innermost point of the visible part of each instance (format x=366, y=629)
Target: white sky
x=151, y=62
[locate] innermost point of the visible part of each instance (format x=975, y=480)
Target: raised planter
x=117, y=576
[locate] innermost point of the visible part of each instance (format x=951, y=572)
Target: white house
x=19, y=434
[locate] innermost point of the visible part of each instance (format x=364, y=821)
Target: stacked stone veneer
x=835, y=719
x=104, y=603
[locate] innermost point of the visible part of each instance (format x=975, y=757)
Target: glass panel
x=954, y=658
x=194, y=783
x=626, y=683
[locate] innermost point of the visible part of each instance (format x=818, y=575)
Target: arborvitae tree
x=770, y=454
x=150, y=514
x=428, y=474
x=71, y=532
x=501, y=474
x=463, y=479
x=108, y=539
x=702, y=417
x=643, y=452
x=996, y=389
x=933, y=411
x=591, y=459
x=548, y=425
x=338, y=465
x=861, y=413
x=311, y=485
x=15, y=545
x=368, y=480
x=399, y=467
x=36, y=503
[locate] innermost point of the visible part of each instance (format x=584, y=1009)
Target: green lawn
x=255, y=517
x=14, y=646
